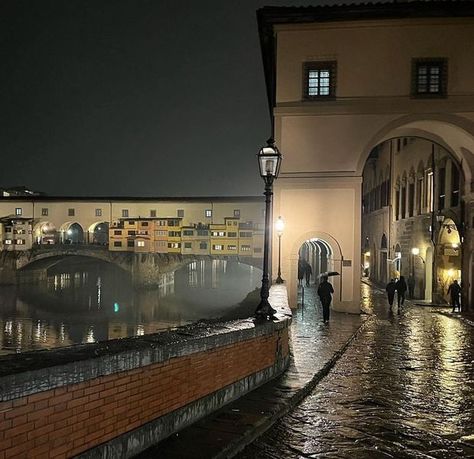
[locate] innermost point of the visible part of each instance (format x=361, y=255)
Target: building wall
x=410, y=219
x=328, y=141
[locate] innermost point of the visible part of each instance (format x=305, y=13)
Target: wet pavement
x=404, y=388
x=316, y=347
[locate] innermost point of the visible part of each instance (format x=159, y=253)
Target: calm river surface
x=83, y=302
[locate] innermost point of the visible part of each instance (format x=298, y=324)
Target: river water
x=84, y=302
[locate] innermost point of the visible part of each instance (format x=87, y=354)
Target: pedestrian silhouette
x=391, y=288
x=301, y=270
x=307, y=272
x=401, y=287
x=455, y=290
x=325, y=292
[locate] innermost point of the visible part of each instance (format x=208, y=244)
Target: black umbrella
x=328, y=274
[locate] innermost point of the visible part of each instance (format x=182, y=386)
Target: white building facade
x=342, y=80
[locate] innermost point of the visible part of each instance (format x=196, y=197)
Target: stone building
x=342, y=80
x=413, y=220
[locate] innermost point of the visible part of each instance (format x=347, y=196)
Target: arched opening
x=323, y=254
x=448, y=254
x=99, y=233
x=45, y=233
x=412, y=212
x=71, y=233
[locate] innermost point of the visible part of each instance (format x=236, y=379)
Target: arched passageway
x=71, y=233
x=45, y=233
x=99, y=233
x=415, y=212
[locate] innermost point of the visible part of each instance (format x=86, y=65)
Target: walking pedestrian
x=455, y=290
x=411, y=286
x=391, y=289
x=401, y=287
x=301, y=266
x=307, y=272
x=325, y=292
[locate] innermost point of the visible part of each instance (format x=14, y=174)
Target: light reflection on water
x=88, y=302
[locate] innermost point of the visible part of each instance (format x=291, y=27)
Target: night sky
x=132, y=98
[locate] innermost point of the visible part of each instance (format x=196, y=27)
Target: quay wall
x=116, y=398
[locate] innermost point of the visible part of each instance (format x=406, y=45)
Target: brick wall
x=68, y=420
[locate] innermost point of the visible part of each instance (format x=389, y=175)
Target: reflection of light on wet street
x=403, y=389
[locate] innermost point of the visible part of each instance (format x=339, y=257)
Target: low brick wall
x=115, y=399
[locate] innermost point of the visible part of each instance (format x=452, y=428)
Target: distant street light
x=269, y=162
x=279, y=226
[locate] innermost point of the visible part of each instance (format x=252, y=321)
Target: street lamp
x=279, y=226
x=269, y=161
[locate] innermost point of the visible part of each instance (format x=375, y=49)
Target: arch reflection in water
x=82, y=301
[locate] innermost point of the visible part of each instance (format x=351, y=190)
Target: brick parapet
x=117, y=404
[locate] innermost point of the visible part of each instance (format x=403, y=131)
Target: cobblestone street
x=403, y=389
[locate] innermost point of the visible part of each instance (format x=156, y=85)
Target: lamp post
x=279, y=226
x=269, y=161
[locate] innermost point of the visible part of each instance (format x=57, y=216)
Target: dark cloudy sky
x=136, y=97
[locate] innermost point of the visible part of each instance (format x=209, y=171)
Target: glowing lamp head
x=415, y=251
x=279, y=226
x=269, y=161
x=450, y=272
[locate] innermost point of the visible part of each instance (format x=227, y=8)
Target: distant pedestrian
x=325, y=292
x=391, y=288
x=301, y=266
x=455, y=290
x=401, y=287
x=307, y=272
x=411, y=286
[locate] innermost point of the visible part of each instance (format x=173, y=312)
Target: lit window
x=44, y=212
x=98, y=212
x=208, y=213
x=20, y=242
x=245, y=248
x=141, y=243
x=217, y=247
x=319, y=80
x=231, y=247
x=8, y=241
x=430, y=77
x=18, y=211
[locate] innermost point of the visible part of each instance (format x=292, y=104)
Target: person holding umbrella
x=325, y=292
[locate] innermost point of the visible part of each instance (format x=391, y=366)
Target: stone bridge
x=145, y=268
